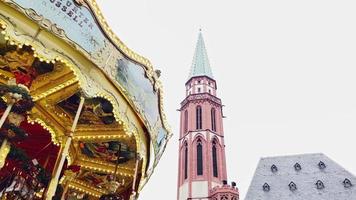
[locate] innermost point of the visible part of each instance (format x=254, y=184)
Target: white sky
x=285, y=71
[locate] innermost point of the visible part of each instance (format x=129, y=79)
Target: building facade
x=308, y=176
x=202, y=163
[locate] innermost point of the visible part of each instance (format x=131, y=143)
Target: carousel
x=81, y=113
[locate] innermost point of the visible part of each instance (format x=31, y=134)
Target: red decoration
x=22, y=78
x=74, y=168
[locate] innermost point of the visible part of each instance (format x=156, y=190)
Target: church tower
x=202, y=165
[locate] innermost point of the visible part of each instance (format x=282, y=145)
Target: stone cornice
x=201, y=97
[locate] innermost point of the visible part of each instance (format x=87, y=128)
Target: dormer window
x=297, y=167
x=321, y=165
x=319, y=185
x=347, y=183
x=292, y=186
x=266, y=187
x=274, y=168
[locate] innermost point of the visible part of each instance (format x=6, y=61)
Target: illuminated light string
x=106, y=170
x=82, y=190
x=104, y=163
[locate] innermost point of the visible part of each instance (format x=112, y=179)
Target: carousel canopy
x=66, y=54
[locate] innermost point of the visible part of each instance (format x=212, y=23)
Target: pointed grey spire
x=200, y=65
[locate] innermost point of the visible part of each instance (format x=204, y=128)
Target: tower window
x=198, y=117
x=185, y=121
x=213, y=119
x=199, y=90
x=199, y=158
x=186, y=161
x=215, y=160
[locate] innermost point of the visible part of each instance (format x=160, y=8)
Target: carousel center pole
x=6, y=113
x=134, y=193
x=5, y=147
x=58, y=168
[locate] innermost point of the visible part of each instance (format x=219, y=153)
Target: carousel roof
x=67, y=52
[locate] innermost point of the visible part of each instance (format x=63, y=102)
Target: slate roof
x=301, y=177
x=200, y=64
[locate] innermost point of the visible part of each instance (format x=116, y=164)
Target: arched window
x=185, y=121
x=185, y=161
x=199, y=117
x=199, y=157
x=224, y=197
x=215, y=160
x=213, y=119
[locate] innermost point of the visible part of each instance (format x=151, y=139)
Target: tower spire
x=202, y=170
x=200, y=65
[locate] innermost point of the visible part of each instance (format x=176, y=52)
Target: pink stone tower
x=202, y=163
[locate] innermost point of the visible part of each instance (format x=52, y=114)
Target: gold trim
x=76, y=185
x=134, y=57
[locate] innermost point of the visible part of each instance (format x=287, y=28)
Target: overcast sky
x=286, y=73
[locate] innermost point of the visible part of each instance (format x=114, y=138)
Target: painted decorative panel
x=76, y=21
x=107, y=151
